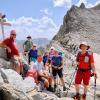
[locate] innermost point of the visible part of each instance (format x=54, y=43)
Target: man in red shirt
x=85, y=63
x=12, y=50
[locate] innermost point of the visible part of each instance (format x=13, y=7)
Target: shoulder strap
x=78, y=55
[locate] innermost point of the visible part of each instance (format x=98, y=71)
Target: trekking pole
x=95, y=89
x=72, y=79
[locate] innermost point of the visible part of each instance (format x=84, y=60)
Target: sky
x=37, y=18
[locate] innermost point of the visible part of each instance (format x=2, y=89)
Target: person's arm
x=3, y=45
x=93, y=66
x=62, y=63
x=24, y=45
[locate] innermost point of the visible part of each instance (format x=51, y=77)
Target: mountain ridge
x=80, y=24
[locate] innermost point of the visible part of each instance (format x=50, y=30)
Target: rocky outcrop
x=80, y=24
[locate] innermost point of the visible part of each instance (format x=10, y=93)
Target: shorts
x=59, y=72
x=83, y=76
x=41, y=79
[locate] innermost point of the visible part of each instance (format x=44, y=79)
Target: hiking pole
x=72, y=79
x=95, y=89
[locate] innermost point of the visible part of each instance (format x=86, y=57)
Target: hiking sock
x=49, y=86
x=55, y=86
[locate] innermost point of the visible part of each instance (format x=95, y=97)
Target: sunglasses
x=13, y=34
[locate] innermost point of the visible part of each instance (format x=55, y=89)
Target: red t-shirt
x=82, y=63
x=11, y=44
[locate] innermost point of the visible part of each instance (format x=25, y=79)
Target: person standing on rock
x=57, y=68
x=27, y=45
x=85, y=63
x=51, y=53
x=12, y=50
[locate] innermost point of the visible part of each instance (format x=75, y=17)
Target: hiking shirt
x=51, y=54
x=57, y=61
x=38, y=66
x=33, y=53
x=28, y=45
x=11, y=44
x=85, y=64
x=45, y=58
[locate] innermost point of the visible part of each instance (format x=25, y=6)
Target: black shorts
x=41, y=79
x=59, y=72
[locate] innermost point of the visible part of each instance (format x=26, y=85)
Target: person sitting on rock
x=12, y=50
x=85, y=62
x=43, y=76
x=33, y=53
x=57, y=68
x=27, y=45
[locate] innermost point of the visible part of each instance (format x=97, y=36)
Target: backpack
x=85, y=59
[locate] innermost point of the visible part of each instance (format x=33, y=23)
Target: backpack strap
x=78, y=55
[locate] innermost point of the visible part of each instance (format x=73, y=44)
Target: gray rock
x=80, y=25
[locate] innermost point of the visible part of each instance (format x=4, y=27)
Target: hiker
x=42, y=75
x=12, y=50
x=33, y=53
x=27, y=45
x=51, y=53
x=57, y=68
x=32, y=72
x=45, y=58
x=85, y=63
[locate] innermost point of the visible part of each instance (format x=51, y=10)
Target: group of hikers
x=45, y=67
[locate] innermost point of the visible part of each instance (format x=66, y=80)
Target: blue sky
x=38, y=18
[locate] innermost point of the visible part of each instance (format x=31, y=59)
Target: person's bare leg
x=17, y=68
x=62, y=81
x=77, y=87
x=85, y=89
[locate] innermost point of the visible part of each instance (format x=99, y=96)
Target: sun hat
x=29, y=36
x=84, y=43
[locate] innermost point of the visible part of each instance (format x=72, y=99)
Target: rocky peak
x=82, y=6
x=80, y=24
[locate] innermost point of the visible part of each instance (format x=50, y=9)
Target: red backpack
x=85, y=58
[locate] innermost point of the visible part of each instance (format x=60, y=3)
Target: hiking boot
x=84, y=96
x=50, y=89
x=77, y=96
x=64, y=88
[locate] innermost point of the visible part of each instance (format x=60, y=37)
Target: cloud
x=44, y=27
x=46, y=11
x=92, y=5
x=62, y=3
x=87, y=4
